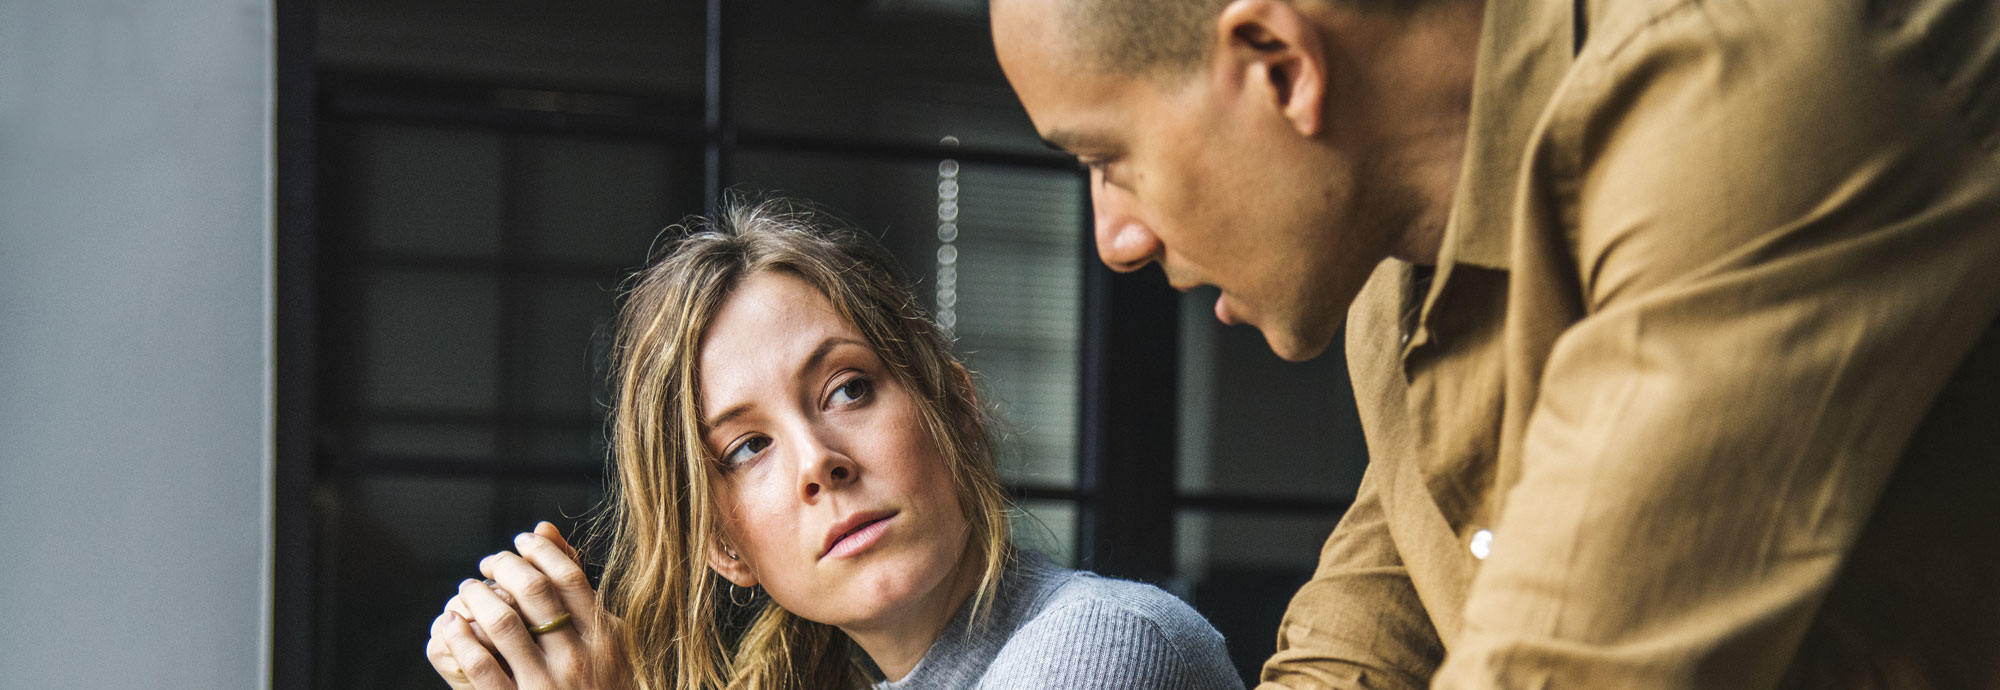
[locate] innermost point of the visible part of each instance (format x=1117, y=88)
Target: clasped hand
x=483, y=640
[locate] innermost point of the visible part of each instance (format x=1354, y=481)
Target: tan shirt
x=1708, y=370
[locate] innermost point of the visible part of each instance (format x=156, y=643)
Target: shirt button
x=1482, y=544
x=1406, y=337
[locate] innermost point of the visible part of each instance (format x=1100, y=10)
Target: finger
x=457, y=605
x=536, y=598
x=548, y=531
x=479, y=666
x=571, y=584
x=509, y=634
x=443, y=662
x=504, y=594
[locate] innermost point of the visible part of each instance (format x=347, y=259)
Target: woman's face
x=833, y=496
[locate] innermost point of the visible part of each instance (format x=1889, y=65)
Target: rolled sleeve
x=1358, y=624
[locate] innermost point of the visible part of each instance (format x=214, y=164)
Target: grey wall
x=134, y=343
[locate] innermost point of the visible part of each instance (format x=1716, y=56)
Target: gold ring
x=559, y=623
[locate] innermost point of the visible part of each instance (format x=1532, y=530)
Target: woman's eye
x=852, y=392
x=746, y=450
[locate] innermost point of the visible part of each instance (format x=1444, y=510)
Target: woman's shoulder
x=1086, y=598
x=1090, y=631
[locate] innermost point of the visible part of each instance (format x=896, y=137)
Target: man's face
x=1197, y=174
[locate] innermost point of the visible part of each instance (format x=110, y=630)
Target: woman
x=787, y=420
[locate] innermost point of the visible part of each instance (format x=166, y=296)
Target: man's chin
x=1294, y=346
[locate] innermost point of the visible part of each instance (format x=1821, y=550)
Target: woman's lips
x=861, y=538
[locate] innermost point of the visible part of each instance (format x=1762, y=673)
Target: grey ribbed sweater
x=1056, y=628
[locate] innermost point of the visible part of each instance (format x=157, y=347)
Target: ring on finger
x=558, y=623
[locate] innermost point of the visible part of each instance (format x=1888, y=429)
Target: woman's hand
x=483, y=640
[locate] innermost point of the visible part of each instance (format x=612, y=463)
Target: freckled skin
x=823, y=447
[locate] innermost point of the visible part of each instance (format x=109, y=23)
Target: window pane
x=1251, y=423
x=1048, y=528
x=601, y=201
x=1242, y=570
x=429, y=440
x=637, y=46
x=901, y=71
x=1017, y=300
x=580, y=443
x=414, y=190
x=429, y=341
x=558, y=366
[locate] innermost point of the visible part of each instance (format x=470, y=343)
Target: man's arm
x=1358, y=623
x=1782, y=246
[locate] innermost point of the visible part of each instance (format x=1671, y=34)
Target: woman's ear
x=728, y=562
x=1277, y=55
x=965, y=379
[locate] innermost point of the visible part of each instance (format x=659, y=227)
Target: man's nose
x=1124, y=242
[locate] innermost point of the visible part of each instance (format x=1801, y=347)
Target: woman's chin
x=877, y=592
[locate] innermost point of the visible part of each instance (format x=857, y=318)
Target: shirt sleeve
x=1784, y=248
x=1358, y=624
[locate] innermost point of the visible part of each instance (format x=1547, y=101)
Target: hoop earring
x=740, y=604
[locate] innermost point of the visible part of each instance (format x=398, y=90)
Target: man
x=1673, y=323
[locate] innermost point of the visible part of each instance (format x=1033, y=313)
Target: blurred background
x=432, y=204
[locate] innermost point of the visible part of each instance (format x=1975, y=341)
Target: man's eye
x=852, y=392
x=745, y=451
x=1100, y=170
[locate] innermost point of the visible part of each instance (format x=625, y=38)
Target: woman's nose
x=822, y=468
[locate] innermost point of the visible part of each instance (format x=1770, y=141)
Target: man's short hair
x=1135, y=37
x=1130, y=37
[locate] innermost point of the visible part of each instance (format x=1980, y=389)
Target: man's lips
x=1222, y=312
x=851, y=526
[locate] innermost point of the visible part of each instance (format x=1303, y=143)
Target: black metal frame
x=295, y=357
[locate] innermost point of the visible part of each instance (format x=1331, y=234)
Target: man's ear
x=1278, y=56
x=728, y=562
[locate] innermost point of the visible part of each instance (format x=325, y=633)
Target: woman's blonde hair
x=662, y=519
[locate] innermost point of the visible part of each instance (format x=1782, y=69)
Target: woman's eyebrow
x=812, y=362
x=726, y=415
x=819, y=353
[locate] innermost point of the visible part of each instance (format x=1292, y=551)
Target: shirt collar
x=1525, y=48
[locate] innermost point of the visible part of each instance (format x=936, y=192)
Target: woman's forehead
x=766, y=333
